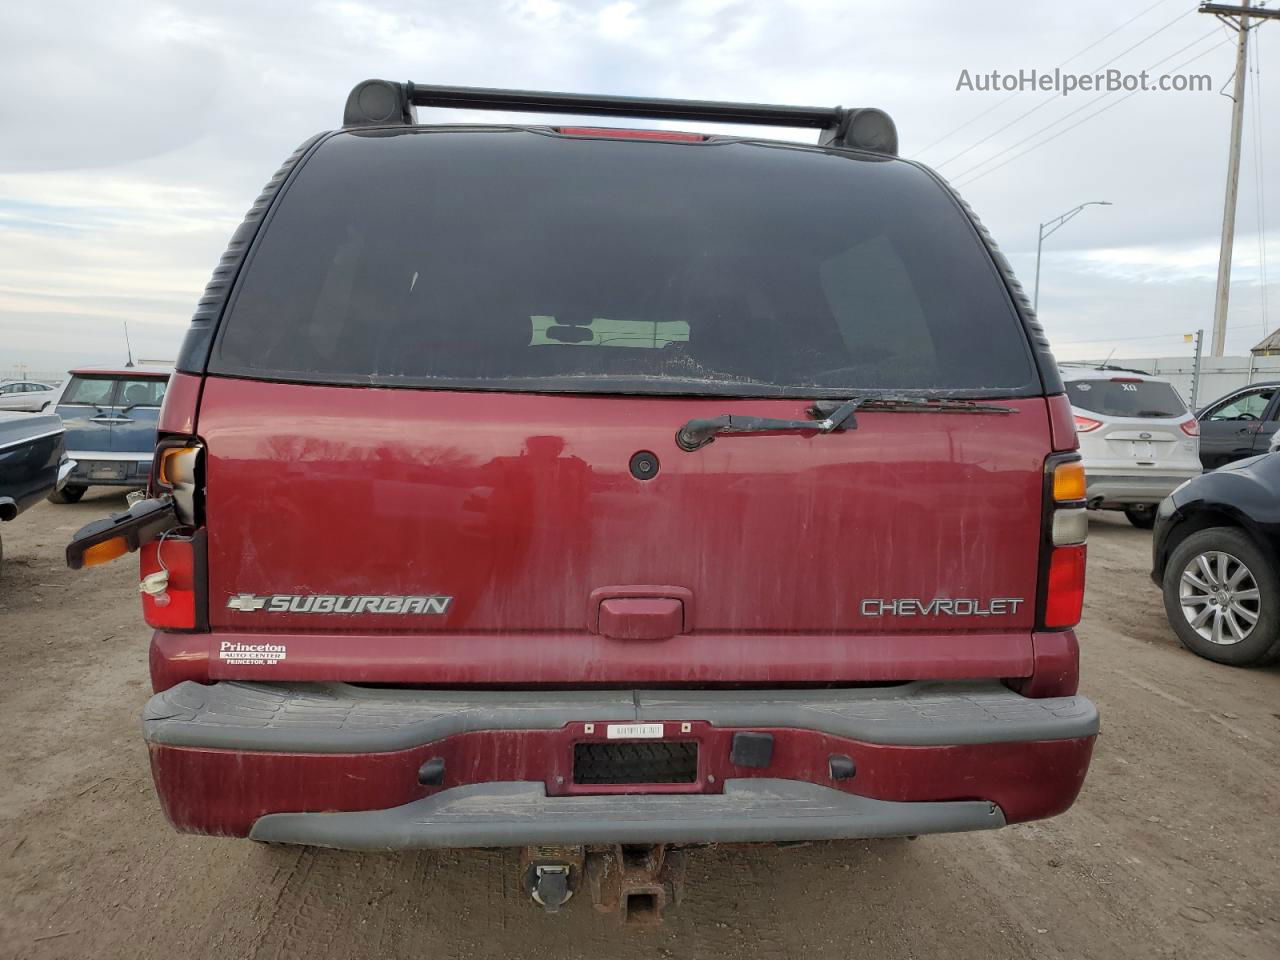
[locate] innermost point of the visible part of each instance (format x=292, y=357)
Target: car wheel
x=67, y=494
x=1141, y=515
x=1222, y=598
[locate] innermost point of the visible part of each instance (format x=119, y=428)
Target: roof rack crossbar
x=599, y=105
x=382, y=102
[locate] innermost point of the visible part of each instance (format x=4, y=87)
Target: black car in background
x=1214, y=553
x=1240, y=424
x=33, y=461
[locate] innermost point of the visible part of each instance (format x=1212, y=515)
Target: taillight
x=1085, y=424
x=176, y=470
x=1190, y=427
x=1064, y=597
x=1066, y=528
x=169, y=581
x=1069, y=482
x=172, y=567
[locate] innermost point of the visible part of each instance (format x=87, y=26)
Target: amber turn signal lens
x=104, y=551
x=1068, y=482
x=173, y=468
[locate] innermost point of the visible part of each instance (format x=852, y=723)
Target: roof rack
x=383, y=102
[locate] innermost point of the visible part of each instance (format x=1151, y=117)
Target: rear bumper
x=511, y=814
x=1119, y=490
x=337, y=765
x=91, y=468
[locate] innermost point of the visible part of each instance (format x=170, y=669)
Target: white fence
x=1218, y=375
x=21, y=373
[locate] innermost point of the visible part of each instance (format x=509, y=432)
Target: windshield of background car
x=1126, y=398
x=517, y=260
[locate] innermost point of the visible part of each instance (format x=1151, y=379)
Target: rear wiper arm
x=698, y=433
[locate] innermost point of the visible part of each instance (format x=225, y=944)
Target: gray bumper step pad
x=339, y=718
x=519, y=814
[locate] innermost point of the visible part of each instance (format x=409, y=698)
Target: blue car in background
x=110, y=417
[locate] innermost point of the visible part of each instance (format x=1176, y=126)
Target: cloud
x=138, y=132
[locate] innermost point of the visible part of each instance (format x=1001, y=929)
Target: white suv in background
x=1138, y=439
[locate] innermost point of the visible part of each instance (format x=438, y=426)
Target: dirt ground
x=1173, y=850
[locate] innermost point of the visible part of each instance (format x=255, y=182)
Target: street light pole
x=1054, y=225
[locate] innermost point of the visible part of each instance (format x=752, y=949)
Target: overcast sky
x=136, y=136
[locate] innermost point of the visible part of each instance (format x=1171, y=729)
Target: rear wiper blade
x=698, y=433
x=905, y=403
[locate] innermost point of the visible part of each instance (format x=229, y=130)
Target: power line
x=1086, y=119
x=1104, y=339
x=970, y=122
x=1053, y=96
x=1068, y=116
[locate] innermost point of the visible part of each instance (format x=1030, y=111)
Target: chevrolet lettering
x=940, y=607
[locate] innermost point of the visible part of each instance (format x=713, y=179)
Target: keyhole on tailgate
x=644, y=465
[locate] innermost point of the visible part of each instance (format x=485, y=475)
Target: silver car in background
x=1138, y=439
x=29, y=395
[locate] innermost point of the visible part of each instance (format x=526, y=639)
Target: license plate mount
x=107, y=470
x=633, y=731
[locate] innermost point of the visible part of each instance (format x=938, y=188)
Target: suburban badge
x=328, y=603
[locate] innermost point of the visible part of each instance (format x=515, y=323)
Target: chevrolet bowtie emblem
x=246, y=602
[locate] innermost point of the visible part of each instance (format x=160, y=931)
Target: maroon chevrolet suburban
x=604, y=492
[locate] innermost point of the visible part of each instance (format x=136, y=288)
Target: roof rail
x=382, y=102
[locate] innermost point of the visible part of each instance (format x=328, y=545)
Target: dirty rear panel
x=517, y=508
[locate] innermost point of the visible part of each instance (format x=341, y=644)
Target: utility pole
x=1195, y=372
x=1236, y=17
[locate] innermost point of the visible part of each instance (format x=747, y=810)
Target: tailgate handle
x=641, y=618
x=640, y=612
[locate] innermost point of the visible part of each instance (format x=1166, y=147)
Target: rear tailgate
x=519, y=508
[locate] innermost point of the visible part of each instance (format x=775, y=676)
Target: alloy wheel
x=1219, y=597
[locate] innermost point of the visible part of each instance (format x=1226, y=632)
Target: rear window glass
x=517, y=260
x=141, y=393
x=1126, y=398
x=95, y=390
